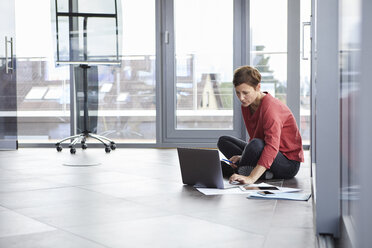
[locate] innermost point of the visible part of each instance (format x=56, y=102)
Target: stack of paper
x=245, y=189
x=282, y=196
x=257, y=190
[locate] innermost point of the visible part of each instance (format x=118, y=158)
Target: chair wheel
x=107, y=149
x=72, y=150
x=113, y=146
x=59, y=148
x=84, y=146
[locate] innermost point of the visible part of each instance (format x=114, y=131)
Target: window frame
x=240, y=56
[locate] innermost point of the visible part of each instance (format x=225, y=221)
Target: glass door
x=199, y=40
x=8, y=87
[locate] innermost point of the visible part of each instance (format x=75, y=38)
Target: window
x=200, y=60
x=188, y=58
x=305, y=66
x=269, y=44
x=43, y=90
x=127, y=92
x=204, y=64
x=350, y=23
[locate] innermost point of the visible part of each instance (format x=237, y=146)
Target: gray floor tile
x=55, y=239
x=100, y=177
x=189, y=201
x=140, y=188
x=171, y=231
x=55, y=169
x=252, y=218
x=151, y=170
x=6, y=175
x=251, y=243
x=25, y=184
x=135, y=198
x=45, y=197
x=3, y=209
x=12, y=224
x=293, y=214
x=89, y=213
x=290, y=238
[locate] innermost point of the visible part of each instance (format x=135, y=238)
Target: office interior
x=163, y=72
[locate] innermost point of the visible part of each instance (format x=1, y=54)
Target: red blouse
x=274, y=123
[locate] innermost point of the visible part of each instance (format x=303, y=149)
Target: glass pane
x=63, y=39
x=305, y=74
x=43, y=98
x=350, y=42
x=62, y=5
x=269, y=44
x=204, y=64
x=101, y=40
x=101, y=34
x=126, y=92
x=273, y=69
x=97, y=6
x=43, y=90
x=269, y=25
x=8, y=77
x=88, y=6
x=127, y=100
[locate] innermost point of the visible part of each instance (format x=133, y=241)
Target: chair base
x=82, y=137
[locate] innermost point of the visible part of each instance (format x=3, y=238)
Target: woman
x=274, y=149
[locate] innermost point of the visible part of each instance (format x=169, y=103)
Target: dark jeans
x=282, y=167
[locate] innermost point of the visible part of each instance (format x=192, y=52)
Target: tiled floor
x=135, y=198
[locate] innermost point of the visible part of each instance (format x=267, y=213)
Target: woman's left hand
x=241, y=179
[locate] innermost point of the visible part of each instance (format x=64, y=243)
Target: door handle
x=166, y=37
x=7, y=67
x=303, y=39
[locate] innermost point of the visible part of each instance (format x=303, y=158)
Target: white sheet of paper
x=235, y=191
x=283, y=196
x=213, y=191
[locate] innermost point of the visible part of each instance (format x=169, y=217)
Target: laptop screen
x=200, y=167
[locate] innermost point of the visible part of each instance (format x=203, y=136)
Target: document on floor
x=245, y=189
x=252, y=188
x=281, y=196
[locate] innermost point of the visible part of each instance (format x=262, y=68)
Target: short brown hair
x=246, y=74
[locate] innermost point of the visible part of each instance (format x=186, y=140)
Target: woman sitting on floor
x=274, y=149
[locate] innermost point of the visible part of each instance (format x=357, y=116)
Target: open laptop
x=202, y=168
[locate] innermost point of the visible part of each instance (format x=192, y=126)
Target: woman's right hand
x=234, y=160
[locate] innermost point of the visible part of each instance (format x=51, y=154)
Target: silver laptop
x=202, y=168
